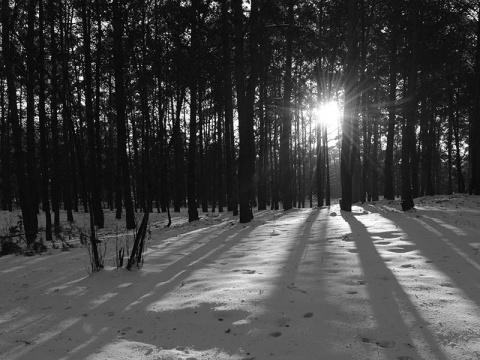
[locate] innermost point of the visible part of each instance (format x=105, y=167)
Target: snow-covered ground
x=303, y=284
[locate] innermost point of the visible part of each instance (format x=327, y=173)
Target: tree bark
x=389, y=192
x=475, y=123
x=94, y=185
x=285, y=162
x=231, y=180
x=28, y=209
x=192, y=146
x=42, y=119
x=123, y=174
x=350, y=117
x=408, y=138
x=245, y=103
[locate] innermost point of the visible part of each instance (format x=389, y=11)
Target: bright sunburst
x=328, y=114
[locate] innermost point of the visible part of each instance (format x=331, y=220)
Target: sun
x=328, y=114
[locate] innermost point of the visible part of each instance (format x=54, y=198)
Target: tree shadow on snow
x=389, y=301
x=89, y=318
x=447, y=247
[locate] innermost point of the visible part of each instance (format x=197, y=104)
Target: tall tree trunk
x=245, y=103
x=408, y=138
x=350, y=117
x=56, y=184
x=475, y=123
x=94, y=186
x=192, y=147
x=69, y=181
x=458, y=158
x=285, y=162
x=231, y=180
x=389, y=192
x=98, y=132
x=31, y=143
x=262, y=153
x=319, y=166
x=31, y=70
x=219, y=176
x=146, y=168
x=5, y=152
x=28, y=209
x=327, y=168
x=123, y=174
x=42, y=118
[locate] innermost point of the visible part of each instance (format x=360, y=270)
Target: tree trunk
x=123, y=174
x=69, y=181
x=475, y=123
x=28, y=209
x=94, y=186
x=192, y=147
x=285, y=163
x=389, y=192
x=5, y=153
x=56, y=184
x=458, y=158
x=42, y=119
x=245, y=103
x=31, y=143
x=408, y=138
x=231, y=180
x=350, y=117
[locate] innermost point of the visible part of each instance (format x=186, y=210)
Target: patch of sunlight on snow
x=124, y=285
x=76, y=291
x=21, y=324
x=85, y=344
x=127, y=350
x=64, y=286
x=102, y=299
x=19, y=351
x=13, y=269
x=12, y=314
x=138, y=301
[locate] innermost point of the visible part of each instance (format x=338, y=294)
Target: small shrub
x=9, y=247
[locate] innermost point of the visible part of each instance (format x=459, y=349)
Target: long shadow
x=128, y=290
x=456, y=238
x=386, y=295
x=292, y=319
x=446, y=250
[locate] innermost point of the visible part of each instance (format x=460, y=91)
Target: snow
x=303, y=284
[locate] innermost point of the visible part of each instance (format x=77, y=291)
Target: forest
x=202, y=105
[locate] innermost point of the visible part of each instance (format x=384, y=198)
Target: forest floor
x=302, y=284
